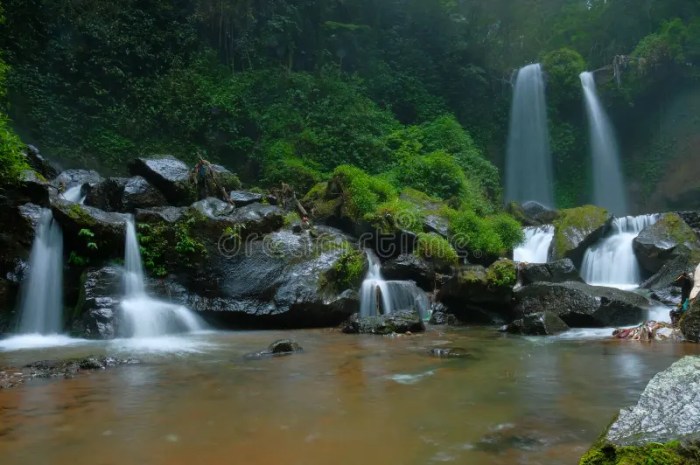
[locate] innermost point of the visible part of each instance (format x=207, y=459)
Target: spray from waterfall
x=608, y=182
x=528, y=158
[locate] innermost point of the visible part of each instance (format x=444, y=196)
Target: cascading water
x=612, y=262
x=143, y=316
x=378, y=296
x=75, y=194
x=535, y=248
x=41, y=307
x=529, y=160
x=608, y=183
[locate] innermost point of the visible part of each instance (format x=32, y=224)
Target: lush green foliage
x=502, y=273
x=434, y=247
x=363, y=193
x=493, y=235
x=347, y=272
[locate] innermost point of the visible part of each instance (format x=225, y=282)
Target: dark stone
x=690, y=322
x=285, y=346
x=107, y=194
x=409, y=267
x=683, y=259
x=71, y=178
x=538, y=214
x=451, y=352
x=538, y=324
x=399, y=322
x=169, y=215
x=32, y=189
x=656, y=244
x=124, y=195
x=213, y=208
x=692, y=219
x=96, y=315
x=39, y=164
x=169, y=175
x=243, y=198
x=554, y=272
x=580, y=305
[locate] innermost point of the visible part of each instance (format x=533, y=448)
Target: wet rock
x=108, y=228
x=71, y=178
x=656, y=244
x=96, y=314
x=575, y=230
x=451, y=352
x=168, y=215
x=553, y=272
x=538, y=324
x=692, y=219
x=399, y=322
x=213, y=208
x=32, y=188
x=532, y=213
x=690, y=322
x=439, y=315
x=39, y=164
x=243, y=198
x=409, y=267
x=124, y=195
x=169, y=175
x=649, y=331
x=580, y=305
x=285, y=346
x=662, y=284
x=107, y=194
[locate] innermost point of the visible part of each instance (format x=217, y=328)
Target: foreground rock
x=553, y=272
x=656, y=244
x=399, y=322
x=580, y=305
x=538, y=324
x=649, y=331
x=664, y=426
x=96, y=315
x=690, y=323
x=409, y=267
x=575, y=230
x=278, y=348
x=12, y=377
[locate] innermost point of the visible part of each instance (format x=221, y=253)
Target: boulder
x=692, y=219
x=124, y=195
x=655, y=245
x=662, y=428
x=399, y=322
x=168, y=215
x=38, y=163
x=96, y=316
x=169, y=175
x=690, y=322
x=538, y=324
x=213, y=209
x=581, y=305
x=410, y=267
x=243, y=198
x=451, y=352
x=553, y=272
x=72, y=178
x=107, y=194
x=575, y=230
x=32, y=188
x=108, y=228
x=662, y=285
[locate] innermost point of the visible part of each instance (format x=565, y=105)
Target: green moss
x=347, y=272
x=676, y=229
x=291, y=218
x=80, y=216
x=502, y=273
x=587, y=218
x=361, y=193
x=671, y=453
x=434, y=247
x=396, y=214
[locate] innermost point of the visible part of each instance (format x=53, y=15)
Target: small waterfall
x=143, y=316
x=528, y=158
x=75, y=194
x=535, y=248
x=41, y=304
x=612, y=262
x=608, y=183
x=380, y=297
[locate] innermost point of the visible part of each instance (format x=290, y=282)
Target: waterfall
x=143, y=316
x=535, y=248
x=608, y=183
x=380, y=297
x=41, y=304
x=611, y=262
x=528, y=159
x=75, y=194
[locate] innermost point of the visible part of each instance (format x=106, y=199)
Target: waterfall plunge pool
x=344, y=400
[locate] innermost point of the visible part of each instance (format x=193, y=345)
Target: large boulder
x=662, y=284
x=692, y=219
x=690, y=322
x=575, y=230
x=72, y=178
x=532, y=213
x=475, y=288
x=96, y=315
x=124, y=195
x=106, y=194
x=107, y=230
x=553, y=272
x=656, y=244
x=581, y=305
x=662, y=428
x=399, y=322
x=243, y=198
x=538, y=324
x=410, y=267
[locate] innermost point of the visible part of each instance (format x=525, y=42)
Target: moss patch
x=502, y=274
x=436, y=248
x=672, y=453
x=575, y=223
x=676, y=229
x=347, y=272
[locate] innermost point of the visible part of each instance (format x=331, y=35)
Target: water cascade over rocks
x=42, y=292
x=529, y=160
x=535, y=248
x=381, y=297
x=144, y=317
x=612, y=262
x=608, y=183
x=75, y=194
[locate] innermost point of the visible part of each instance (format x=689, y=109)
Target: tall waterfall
x=380, y=297
x=535, y=248
x=528, y=159
x=41, y=304
x=612, y=262
x=144, y=316
x=608, y=183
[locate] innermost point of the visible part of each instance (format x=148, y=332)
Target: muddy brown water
x=347, y=400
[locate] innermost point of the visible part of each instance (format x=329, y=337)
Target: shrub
x=362, y=193
x=432, y=246
x=502, y=274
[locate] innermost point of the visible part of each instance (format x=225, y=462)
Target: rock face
x=538, y=324
x=97, y=312
x=38, y=163
x=72, y=178
x=575, y=230
x=655, y=245
x=243, y=198
x=552, y=272
x=690, y=323
x=124, y=195
x=169, y=175
x=399, y=322
x=409, y=267
x=692, y=219
x=580, y=305
x=107, y=194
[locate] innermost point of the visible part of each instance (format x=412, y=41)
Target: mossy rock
x=502, y=274
x=671, y=453
x=347, y=273
x=658, y=243
x=576, y=229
